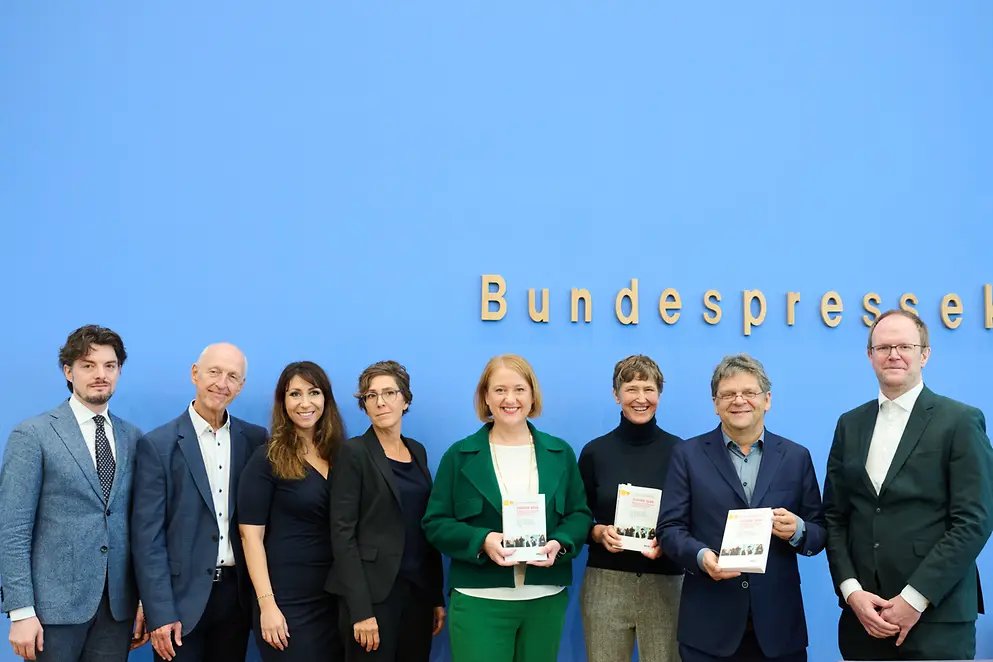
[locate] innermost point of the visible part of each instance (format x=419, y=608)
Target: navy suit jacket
x=174, y=532
x=701, y=487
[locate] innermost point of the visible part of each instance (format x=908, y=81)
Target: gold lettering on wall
x=498, y=296
x=627, y=293
x=584, y=296
x=792, y=298
x=538, y=315
x=988, y=305
x=870, y=308
x=750, y=320
x=905, y=303
x=951, y=304
x=494, y=305
x=830, y=304
x=712, y=306
x=665, y=305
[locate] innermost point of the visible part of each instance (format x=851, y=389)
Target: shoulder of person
x=596, y=444
x=857, y=413
x=669, y=437
x=788, y=445
x=251, y=429
x=167, y=433
x=552, y=443
x=127, y=428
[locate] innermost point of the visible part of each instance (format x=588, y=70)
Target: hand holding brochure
x=636, y=516
x=747, y=534
x=524, y=528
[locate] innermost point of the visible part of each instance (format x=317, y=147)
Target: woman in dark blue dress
x=283, y=498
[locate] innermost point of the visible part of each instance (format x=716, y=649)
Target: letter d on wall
x=498, y=296
x=630, y=293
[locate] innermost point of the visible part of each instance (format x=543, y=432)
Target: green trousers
x=483, y=630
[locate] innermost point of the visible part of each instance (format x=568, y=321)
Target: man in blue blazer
x=728, y=615
x=191, y=570
x=65, y=486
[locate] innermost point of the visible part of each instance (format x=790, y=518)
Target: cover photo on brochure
x=636, y=516
x=524, y=528
x=747, y=534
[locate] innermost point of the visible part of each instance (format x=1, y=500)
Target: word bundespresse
x=754, y=305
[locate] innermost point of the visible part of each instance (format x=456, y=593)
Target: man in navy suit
x=727, y=615
x=191, y=570
x=65, y=490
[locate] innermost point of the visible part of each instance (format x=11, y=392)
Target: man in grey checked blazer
x=65, y=500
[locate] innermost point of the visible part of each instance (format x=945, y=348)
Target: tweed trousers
x=619, y=607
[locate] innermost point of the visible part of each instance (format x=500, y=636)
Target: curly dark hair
x=80, y=341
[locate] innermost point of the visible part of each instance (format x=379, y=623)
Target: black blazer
x=932, y=516
x=367, y=526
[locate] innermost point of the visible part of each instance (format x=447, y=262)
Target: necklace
x=496, y=465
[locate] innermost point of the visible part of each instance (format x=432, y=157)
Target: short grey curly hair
x=733, y=364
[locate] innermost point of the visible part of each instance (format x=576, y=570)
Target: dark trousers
x=926, y=641
x=221, y=635
x=405, y=619
x=748, y=651
x=100, y=639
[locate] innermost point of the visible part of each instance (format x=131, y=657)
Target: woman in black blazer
x=388, y=578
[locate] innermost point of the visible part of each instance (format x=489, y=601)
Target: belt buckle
x=217, y=574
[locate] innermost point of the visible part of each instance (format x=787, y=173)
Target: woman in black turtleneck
x=628, y=594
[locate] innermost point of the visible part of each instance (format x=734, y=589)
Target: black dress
x=298, y=551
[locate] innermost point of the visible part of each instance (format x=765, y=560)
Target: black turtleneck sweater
x=630, y=453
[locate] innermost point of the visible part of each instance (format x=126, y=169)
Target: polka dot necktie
x=105, y=459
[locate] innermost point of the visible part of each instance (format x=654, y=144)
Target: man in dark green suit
x=909, y=506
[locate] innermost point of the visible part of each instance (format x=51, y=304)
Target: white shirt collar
x=905, y=401
x=83, y=413
x=201, y=425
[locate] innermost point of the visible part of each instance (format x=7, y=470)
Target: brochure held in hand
x=636, y=516
x=524, y=528
x=747, y=534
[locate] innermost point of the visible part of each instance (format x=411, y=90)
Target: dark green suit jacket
x=466, y=505
x=932, y=516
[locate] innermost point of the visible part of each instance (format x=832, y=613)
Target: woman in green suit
x=502, y=610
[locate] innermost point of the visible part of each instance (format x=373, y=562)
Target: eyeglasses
x=746, y=395
x=886, y=350
x=389, y=396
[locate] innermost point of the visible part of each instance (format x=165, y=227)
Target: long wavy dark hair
x=284, y=445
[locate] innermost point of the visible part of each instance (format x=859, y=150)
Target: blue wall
x=330, y=181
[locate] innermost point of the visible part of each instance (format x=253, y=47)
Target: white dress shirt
x=84, y=417
x=88, y=427
x=891, y=421
x=215, y=447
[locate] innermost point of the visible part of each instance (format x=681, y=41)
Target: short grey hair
x=732, y=365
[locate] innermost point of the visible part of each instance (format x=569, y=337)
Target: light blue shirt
x=747, y=468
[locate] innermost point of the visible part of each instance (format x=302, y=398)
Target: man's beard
x=97, y=399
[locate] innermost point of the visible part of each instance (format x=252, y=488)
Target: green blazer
x=933, y=514
x=465, y=505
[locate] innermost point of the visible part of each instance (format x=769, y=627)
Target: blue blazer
x=174, y=531
x=701, y=487
x=59, y=541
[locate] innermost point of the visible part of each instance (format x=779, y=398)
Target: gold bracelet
x=263, y=597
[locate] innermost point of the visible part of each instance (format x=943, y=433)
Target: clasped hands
x=884, y=618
